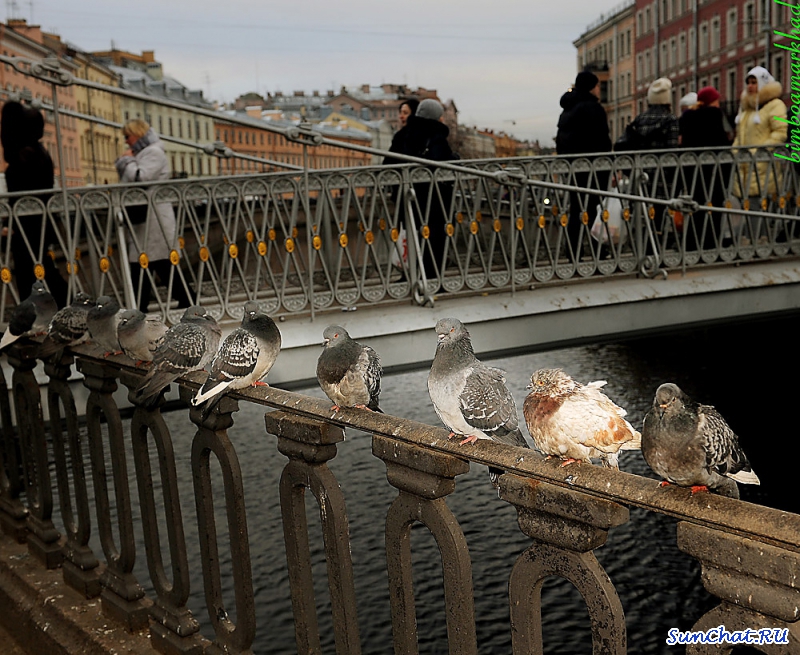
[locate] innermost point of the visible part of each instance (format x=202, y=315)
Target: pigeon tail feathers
x=745, y=477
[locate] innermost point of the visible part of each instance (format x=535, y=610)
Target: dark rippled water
x=741, y=370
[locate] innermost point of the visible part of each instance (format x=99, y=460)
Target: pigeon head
x=450, y=330
x=669, y=399
x=129, y=318
x=38, y=288
x=552, y=382
x=82, y=299
x=195, y=313
x=251, y=310
x=105, y=305
x=334, y=335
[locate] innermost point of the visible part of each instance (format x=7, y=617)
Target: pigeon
x=349, y=373
x=244, y=358
x=691, y=445
x=31, y=316
x=186, y=346
x=471, y=398
x=139, y=334
x=574, y=421
x=68, y=326
x=102, y=321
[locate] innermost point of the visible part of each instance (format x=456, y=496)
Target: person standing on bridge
x=146, y=161
x=583, y=128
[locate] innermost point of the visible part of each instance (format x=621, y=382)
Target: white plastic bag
x=400, y=250
x=614, y=228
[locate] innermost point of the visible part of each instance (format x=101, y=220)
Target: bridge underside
x=552, y=316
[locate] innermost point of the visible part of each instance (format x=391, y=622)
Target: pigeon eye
x=335, y=335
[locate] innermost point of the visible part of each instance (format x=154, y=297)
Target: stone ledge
x=45, y=616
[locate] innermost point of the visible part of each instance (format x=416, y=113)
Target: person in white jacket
x=153, y=240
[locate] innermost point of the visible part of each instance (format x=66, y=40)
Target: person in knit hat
x=688, y=101
x=704, y=125
x=582, y=128
x=656, y=127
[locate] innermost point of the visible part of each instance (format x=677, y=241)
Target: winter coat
x=583, y=124
x=760, y=128
x=30, y=167
x=149, y=163
x=426, y=138
x=703, y=127
x=655, y=128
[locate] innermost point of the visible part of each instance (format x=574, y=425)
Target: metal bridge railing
x=119, y=470
x=311, y=241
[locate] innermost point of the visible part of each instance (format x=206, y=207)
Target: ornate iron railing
x=749, y=554
x=302, y=243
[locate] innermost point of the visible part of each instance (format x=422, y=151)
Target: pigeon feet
x=451, y=435
x=363, y=407
x=698, y=488
x=568, y=461
x=664, y=483
x=470, y=439
x=259, y=383
x=335, y=408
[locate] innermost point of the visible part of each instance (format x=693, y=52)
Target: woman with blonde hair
x=146, y=161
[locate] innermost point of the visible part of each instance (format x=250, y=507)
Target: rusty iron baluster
x=756, y=582
x=43, y=538
x=122, y=597
x=566, y=527
x=80, y=564
x=424, y=478
x=12, y=511
x=173, y=630
x=212, y=437
x=309, y=445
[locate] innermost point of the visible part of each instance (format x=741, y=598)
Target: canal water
x=746, y=371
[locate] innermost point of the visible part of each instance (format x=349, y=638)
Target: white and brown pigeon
x=68, y=326
x=245, y=357
x=102, y=321
x=348, y=373
x=574, y=421
x=32, y=316
x=139, y=334
x=471, y=398
x=186, y=346
x=691, y=445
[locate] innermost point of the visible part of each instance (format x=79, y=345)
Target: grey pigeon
x=139, y=334
x=691, y=445
x=471, y=399
x=348, y=373
x=102, y=321
x=32, y=316
x=186, y=346
x=68, y=326
x=244, y=358
x=576, y=421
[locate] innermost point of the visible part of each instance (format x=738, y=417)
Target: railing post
x=756, y=582
x=12, y=511
x=43, y=539
x=212, y=437
x=122, y=597
x=80, y=564
x=173, y=631
x=309, y=445
x=424, y=478
x=566, y=526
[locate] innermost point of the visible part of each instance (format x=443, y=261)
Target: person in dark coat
x=700, y=127
x=583, y=128
x=425, y=136
x=30, y=168
x=406, y=110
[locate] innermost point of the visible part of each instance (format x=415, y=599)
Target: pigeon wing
x=235, y=360
x=723, y=453
x=369, y=363
x=487, y=405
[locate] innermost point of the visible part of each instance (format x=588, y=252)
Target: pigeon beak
x=441, y=336
x=325, y=342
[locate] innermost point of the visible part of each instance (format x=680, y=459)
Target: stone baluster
x=80, y=564
x=12, y=511
x=566, y=526
x=122, y=597
x=212, y=437
x=424, y=478
x=757, y=583
x=43, y=538
x=309, y=445
x=174, y=630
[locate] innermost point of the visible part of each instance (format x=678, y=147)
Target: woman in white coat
x=153, y=240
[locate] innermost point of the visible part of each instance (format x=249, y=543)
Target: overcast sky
x=504, y=62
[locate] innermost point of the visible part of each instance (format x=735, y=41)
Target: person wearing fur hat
x=582, y=128
x=656, y=127
x=761, y=121
x=145, y=161
x=30, y=168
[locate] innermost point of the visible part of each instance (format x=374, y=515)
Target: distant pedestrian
x=30, y=168
x=688, y=101
x=703, y=125
x=407, y=109
x=656, y=127
x=145, y=161
x=583, y=128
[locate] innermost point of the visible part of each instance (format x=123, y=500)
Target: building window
x=715, y=41
x=730, y=92
x=732, y=29
x=663, y=62
x=664, y=12
x=647, y=24
x=673, y=52
x=777, y=69
x=703, y=41
x=169, y=124
x=639, y=70
x=764, y=13
x=749, y=20
x=180, y=128
x=681, y=48
x=628, y=42
x=161, y=125
x=639, y=28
